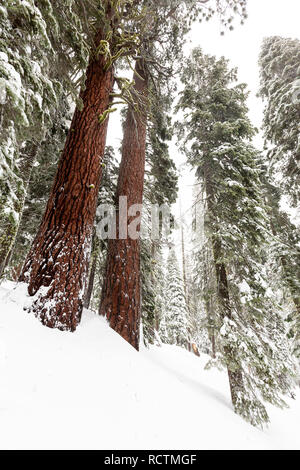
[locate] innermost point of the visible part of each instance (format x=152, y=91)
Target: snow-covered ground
x=91, y=390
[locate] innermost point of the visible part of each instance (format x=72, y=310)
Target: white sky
x=242, y=47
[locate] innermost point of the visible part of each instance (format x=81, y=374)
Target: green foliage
x=280, y=87
x=285, y=256
x=174, y=323
x=152, y=289
x=41, y=47
x=214, y=134
x=41, y=181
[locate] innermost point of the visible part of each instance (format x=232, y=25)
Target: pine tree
x=203, y=282
x=39, y=186
x=279, y=70
x=29, y=91
x=285, y=261
x=215, y=134
x=161, y=181
x=43, y=47
x=174, y=325
x=280, y=90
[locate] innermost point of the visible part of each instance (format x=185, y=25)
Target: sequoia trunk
x=56, y=266
x=121, y=293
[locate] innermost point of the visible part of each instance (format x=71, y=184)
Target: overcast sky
x=242, y=47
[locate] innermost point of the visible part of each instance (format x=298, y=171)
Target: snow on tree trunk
x=56, y=265
x=121, y=293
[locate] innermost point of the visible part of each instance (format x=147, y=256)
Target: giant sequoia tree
x=215, y=135
x=121, y=289
x=56, y=266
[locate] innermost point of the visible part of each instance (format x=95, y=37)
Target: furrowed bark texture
x=56, y=266
x=121, y=292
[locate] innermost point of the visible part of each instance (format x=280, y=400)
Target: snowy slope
x=90, y=389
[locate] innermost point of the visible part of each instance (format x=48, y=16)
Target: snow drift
x=92, y=390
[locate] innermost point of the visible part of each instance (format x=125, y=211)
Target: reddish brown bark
x=121, y=296
x=58, y=257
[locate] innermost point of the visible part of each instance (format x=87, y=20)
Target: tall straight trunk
x=295, y=297
x=235, y=376
x=92, y=273
x=56, y=266
x=284, y=262
x=121, y=292
x=185, y=288
x=8, y=238
x=208, y=306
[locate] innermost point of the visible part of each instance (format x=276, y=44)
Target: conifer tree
x=121, y=291
x=39, y=186
x=203, y=282
x=285, y=260
x=174, y=325
x=160, y=188
x=215, y=134
x=29, y=90
x=44, y=46
x=280, y=90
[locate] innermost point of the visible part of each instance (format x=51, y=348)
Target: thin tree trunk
x=208, y=305
x=189, y=343
x=284, y=262
x=213, y=346
x=56, y=265
x=235, y=376
x=8, y=239
x=121, y=293
x=92, y=273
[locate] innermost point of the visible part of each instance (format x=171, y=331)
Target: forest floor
x=91, y=390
